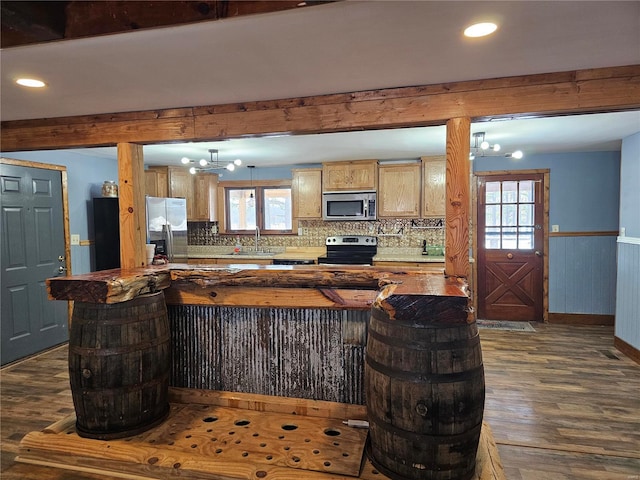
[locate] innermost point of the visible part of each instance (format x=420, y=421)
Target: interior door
x=33, y=249
x=510, y=247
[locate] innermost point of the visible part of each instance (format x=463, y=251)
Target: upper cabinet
x=205, y=188
x=306, y=187
x=353, y=175
x=155, y=181
x=399, y=190
x=434, y=170
x=181, y=186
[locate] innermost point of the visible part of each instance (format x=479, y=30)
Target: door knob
x=62, y=269
x=538, y=253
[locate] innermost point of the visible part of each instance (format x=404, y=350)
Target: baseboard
x=581, y=319
x=629, y=350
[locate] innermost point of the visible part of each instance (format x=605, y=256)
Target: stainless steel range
x=350, y=250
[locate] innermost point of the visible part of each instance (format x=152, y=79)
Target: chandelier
x=482, y=148
x=210, y=164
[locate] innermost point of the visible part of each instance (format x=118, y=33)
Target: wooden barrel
x=424, y=385
x=119, y=365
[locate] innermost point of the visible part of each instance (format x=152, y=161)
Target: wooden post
x=133, y=231
x=457, y=198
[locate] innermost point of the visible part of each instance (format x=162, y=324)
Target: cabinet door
x=155, y=180
x=434, y=189
x=335, y=176
x=181, y=186
x=353, y=175
x=363, y=175
x=205, y=186
x=307, y=192
x=399, y=192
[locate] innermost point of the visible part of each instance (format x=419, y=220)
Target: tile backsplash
x=391, y=233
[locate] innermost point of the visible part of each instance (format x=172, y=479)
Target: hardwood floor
x=562, y=402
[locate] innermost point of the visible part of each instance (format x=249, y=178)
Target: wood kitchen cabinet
x=399, y=190
x=352, y=175
x=434, y=170
x=306, y=188
x=156, y=181
x=205, y=193
x=181, y=185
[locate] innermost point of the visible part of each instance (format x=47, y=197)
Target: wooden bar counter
x=292, y=331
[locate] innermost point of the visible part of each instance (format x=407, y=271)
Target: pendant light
x=251, y=201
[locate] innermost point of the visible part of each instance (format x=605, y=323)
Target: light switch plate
x=555, y=228
x=75, y=239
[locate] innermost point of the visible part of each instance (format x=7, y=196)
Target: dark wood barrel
x=119, y=365
x=424, y=385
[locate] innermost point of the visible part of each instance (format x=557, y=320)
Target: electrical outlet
x=305, y=231
x=555, y=228
x=75, y=239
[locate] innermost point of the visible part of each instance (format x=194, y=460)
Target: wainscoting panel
x=628, y=290
x=582, y=274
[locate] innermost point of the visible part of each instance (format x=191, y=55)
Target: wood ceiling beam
x=585, y=91
x=31, y=22
x=27, y=22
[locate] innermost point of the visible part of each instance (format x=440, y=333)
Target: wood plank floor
x=563, y=404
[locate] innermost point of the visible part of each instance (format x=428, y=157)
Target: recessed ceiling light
x=30, y=82
x=480, y=30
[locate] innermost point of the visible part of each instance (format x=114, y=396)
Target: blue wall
x=584, y=196
x=85, y=175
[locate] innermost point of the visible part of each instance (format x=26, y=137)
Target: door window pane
x=526, y=191
x=492, y=194
x=492, y=215
x=509, y=238
x=525, y=216
x=492, y=238
x=525, y=238
x=509, y=192
x=277, y=209
x=509, y=218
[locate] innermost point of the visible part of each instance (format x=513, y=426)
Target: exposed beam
x=585, y=91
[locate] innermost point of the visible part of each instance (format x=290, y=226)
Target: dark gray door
x=32, y=235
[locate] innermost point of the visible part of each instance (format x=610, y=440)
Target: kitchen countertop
x=411, y=255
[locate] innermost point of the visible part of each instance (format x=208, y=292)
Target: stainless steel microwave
x=349, y=206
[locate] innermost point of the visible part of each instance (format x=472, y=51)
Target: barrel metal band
x=160, y=380
x=436, y=378
x=431, y=439
x=156, y=314
x=102, y=352
x=466, y=343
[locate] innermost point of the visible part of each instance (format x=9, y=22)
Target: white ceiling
x=338, y=47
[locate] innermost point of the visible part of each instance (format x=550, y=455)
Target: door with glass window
x=510, y=247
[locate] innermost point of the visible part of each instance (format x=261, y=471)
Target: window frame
x=259, y=188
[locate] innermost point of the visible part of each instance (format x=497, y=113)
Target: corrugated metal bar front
x=304, y=353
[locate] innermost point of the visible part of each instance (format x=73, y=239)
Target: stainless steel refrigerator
x=167, y=226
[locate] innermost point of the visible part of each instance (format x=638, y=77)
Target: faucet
x=257, y=236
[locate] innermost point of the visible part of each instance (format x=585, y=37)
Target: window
x=509, y=215
x=266, y=207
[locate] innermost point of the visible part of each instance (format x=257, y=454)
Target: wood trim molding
x=581, y=319
x=629, y=350
x=582, y=91
x=609, y=233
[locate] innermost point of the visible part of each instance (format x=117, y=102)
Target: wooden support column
x=457, y=198
x=133, y=233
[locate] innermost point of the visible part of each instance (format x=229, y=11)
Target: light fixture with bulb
x=211, y=164
x=480, y=147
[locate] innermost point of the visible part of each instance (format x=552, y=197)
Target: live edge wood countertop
x=296, y=286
